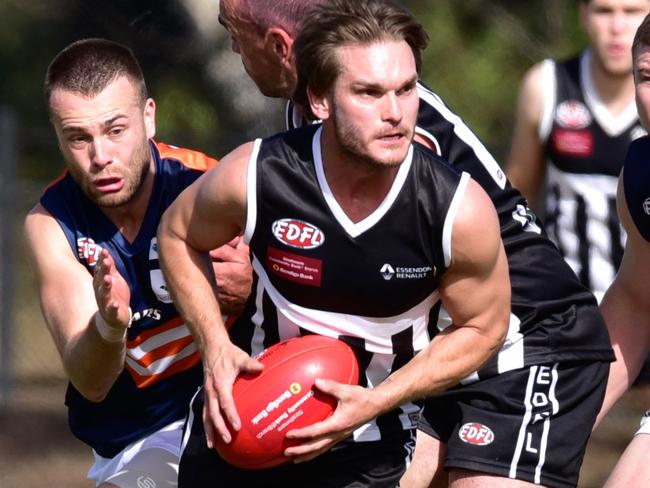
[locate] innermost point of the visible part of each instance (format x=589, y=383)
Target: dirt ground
x=36, y=448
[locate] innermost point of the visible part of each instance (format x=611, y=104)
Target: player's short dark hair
x=341, y=22
x=88, y=66
x=642, y=36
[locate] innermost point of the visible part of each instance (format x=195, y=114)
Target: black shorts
x=364, y=464
x=530, y=424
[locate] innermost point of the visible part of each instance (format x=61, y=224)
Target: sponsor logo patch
x=388, y=272
x=573, y=142
x=476, y=434
x=88, y=251
x=293, y=267
x=297, y=233
x=573, y=114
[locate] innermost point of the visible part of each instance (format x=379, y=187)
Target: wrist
x=109, y=333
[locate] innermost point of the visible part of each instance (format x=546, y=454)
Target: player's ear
x=150, y=118
x=279, y=43
x=319, y=104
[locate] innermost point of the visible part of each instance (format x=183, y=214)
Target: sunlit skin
x=372, y=106
x=251, y=44
x=642, y=82
x=103, y=140
x=611, y=25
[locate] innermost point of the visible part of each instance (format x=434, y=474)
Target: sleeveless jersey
x=162, y=369
x=554, y=317
x=636, y=184
x=585, y=146
x=372, y=284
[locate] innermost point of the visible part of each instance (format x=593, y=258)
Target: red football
x=283, y=397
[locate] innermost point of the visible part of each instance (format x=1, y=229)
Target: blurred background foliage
x=478, y=52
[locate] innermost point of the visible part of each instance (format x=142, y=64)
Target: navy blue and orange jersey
x=636, y=185
x=162, y=369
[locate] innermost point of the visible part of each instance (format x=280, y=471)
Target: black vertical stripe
x=552, y=216
x=402, y=347
x=270, y=324
x=434, y=316
x=615, y=233
x=358, y=345
x=583, y=241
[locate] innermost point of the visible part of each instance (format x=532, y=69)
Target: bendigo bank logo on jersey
x=88, y=251
x=293, y=267
x=573, y=138
x=297, y=233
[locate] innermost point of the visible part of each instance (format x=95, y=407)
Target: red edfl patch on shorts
x=293, y=267
x=475, y=433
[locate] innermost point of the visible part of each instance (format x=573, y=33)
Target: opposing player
x=575, y=120
x=574, y=362
x=544, y=289
x=130, y=359
x=626, y=305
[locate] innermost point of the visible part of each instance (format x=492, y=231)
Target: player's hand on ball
x=354, y=408
x=221, y=369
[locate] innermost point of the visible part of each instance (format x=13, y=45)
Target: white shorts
x=151, y=462
x=644, y=427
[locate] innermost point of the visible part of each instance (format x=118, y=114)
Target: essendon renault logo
x=477, y=434
x=296, y=233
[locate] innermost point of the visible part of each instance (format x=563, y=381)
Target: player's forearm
x=92, y=363
x=629, y=330
x=452, y=356
x=191, y=282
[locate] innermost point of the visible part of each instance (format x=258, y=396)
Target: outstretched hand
x=354, y=408
x=111, y=292
x=220, y=415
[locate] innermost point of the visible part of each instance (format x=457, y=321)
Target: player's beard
x=357, y=150
x=134, y=177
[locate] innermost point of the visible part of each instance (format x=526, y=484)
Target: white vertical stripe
x=548, y=99
x=524, y=422
x=511, y=355
x=547, y=425
x=542, y=450
x=251, y=192
x=188, y=425
x=257, y=342
x=464, y=134
x=451, y=217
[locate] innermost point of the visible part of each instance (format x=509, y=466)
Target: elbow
x=92, y=393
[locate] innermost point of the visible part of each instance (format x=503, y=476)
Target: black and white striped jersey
x=371, y=283
x=585, y=145
x=554, y=317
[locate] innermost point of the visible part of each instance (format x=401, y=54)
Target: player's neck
x=616, y=91
x=359, y=188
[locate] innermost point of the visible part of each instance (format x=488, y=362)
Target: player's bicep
x=476, y=288
x=211, y=211
x=65, y=286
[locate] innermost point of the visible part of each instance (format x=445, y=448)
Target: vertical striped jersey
x=371, y=283
x=162, y=369
x=585, y=146
x=554, y=317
